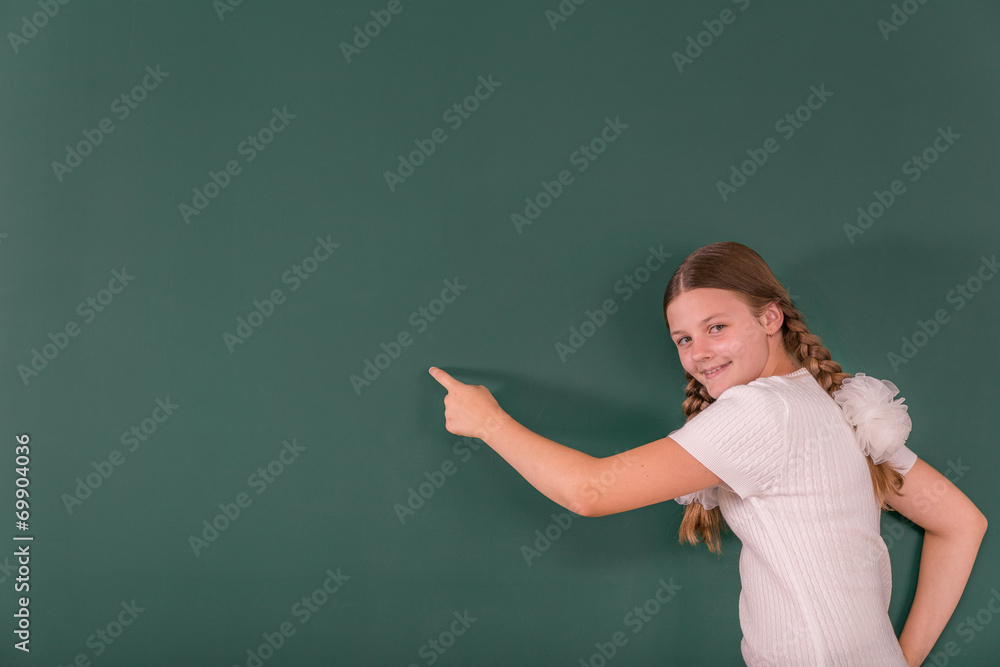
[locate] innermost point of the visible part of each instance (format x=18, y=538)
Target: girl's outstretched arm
x=586, y=485
x=953, y=530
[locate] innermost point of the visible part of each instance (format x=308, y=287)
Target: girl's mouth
x=719, y=369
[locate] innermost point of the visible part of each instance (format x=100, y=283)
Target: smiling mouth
x=715, y=371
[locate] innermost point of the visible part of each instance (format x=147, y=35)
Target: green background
x=324, y=176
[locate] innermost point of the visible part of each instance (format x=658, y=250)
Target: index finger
x=447, y=381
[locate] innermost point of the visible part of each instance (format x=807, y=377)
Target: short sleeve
x=903, y=459
x=742, y=437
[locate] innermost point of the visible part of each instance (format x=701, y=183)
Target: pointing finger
x=447, y=381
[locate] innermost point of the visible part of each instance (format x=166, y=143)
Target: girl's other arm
x=953, y=530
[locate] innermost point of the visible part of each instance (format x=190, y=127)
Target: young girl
x=797, y=456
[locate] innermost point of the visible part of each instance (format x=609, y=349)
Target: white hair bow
x=880, y=423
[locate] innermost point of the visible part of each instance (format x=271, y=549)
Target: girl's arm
x=586, y=485
x=953, y=529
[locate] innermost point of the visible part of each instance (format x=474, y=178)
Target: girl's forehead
x=703, y=298
x=700, y=310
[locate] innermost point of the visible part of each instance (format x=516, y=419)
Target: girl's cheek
x=734, y=348
x=686, y=362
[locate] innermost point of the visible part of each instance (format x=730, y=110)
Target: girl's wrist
x=494, y=425
x=910, y=654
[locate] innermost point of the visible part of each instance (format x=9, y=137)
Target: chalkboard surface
x=235, y=236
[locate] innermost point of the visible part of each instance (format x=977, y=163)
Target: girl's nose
x=699, y=349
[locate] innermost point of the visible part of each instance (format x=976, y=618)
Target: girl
x=798, y=457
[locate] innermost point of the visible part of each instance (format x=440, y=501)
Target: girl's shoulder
x=790, y=382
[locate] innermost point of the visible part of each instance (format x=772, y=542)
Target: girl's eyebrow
x=712, y=316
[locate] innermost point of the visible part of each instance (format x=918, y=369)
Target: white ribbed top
x=797, y=492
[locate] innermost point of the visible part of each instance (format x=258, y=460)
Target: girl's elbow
x=972, y=525
x=979, y=523
x=592, y=509
x=579, y=498
x=973, y=520
x=582, y=507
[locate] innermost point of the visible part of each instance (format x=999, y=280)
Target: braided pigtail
x=698, y=522
x=812, y=354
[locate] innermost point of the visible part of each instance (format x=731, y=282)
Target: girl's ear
x=772, y=317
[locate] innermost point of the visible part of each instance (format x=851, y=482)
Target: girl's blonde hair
x=732, y=266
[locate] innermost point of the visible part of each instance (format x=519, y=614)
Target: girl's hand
x=469, y=410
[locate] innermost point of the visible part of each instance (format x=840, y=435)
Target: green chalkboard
x=235, y=235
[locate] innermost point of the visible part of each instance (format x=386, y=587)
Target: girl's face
x=719, y=341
